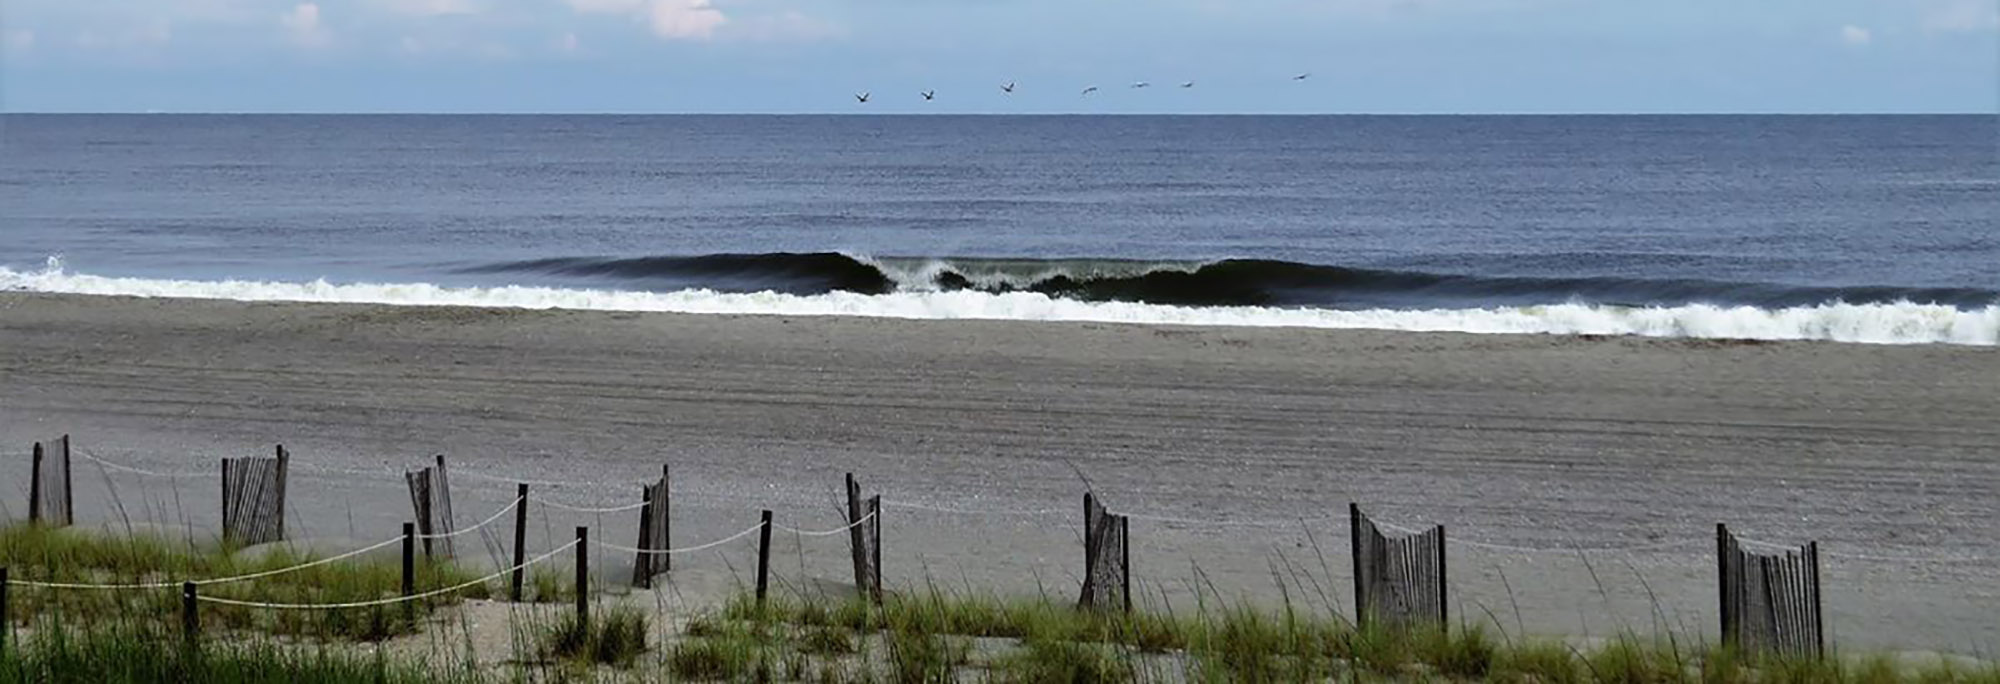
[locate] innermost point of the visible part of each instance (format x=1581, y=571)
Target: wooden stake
x=35, y=487
x=1125, y=561
x=583, y=576
x=1354, y=541
x=1819, y=622
x=642, y=565
x=409, y=566
x=763, y=558
x=665, y=502
x=1444, y=599
x=190, y=621
x=520, y=538
x=6, y=623
x=1728, y=625
x=69, y=492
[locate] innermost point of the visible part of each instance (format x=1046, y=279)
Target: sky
x=813, y=56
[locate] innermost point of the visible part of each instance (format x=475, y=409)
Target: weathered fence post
x=1722, y=585
x=653, y=528
x=190, y=621
x=583, y=576
x=6, y=621
x=1444, y=596
x=35, y=488
x=1125, y=561
x=1354, y=552
x=409, y=567
x=284, y=477
x=1818, y=617
x=520, y=538
x=69, y=490
x=763, y=557
x=253, y=498
x=865, y=540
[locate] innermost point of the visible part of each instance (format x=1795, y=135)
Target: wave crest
x=1229, y=282
x=1882, y=323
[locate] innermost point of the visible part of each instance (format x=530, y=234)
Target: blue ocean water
x=1339, y=213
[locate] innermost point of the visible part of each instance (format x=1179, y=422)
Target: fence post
x=190, y=621
x=1818, y=602
x=666, y=560
x=763, y=558
x=642, y=564
x=1444, y=596
x=583, y=577
x=6, y=623
x=875, y=562
x=1089, y=551
x=1354, y=551
x=409, y=567
x=520, y=537
x=35, y=487
x=69, y=491
x=1722, y=612
x=1125, y=561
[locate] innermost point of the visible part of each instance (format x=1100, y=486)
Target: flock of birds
x=1008, y=88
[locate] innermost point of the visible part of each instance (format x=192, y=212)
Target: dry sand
x=1886, y=454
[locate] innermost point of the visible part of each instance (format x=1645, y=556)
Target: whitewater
x=1874, y=323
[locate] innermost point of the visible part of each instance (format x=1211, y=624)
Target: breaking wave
x=1232, y=282
x=1899, y=322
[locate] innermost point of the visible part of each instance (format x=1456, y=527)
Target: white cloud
x=1957, y=16
x=668, y=19
x=304, y=26
x=18, y=40
x=789, y=26
x=567, y=43
x=148, y=34
x=1855, y=36
x=429, y=8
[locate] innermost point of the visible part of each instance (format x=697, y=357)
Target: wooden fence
x=253, y=498
x=1107, y=558
x=1398, y=581
x=864, y=535
x=655, y=532
x=1770, y=602
x=430, y=500
x=50, y=495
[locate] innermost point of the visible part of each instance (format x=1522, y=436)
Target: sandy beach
x=983, y=434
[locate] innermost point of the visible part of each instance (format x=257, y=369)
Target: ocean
x=1882, y=229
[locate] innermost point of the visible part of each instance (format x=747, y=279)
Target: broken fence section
x=253, y=498
x=865, y=540
x=655, y=532
x=430, y=499
x=1770, y=601
x=50, y=500
x=1107, y=558
x=1398, y=581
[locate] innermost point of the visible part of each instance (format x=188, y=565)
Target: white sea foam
x=1899, y=323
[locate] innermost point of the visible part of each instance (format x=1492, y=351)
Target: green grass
x=613, y=636
x=127, y=655
x=67, y=555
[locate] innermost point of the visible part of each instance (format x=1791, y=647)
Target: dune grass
x=130, y=654
x=68, y=555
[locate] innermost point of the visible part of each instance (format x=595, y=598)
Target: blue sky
x=1365, y=56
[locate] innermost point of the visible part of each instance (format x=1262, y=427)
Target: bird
x=1008, y=88
x=1090, y=90
x=1302, y=77
x=929, y=95
x=1142, y=84
x=1187, y=84
x=861, y=97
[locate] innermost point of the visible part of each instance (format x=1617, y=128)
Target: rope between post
x=387, y=601
x=489, y=520
x=586, y=509
x=209, y=581
x=824, y=533
x=86, y=453
x=691, y=549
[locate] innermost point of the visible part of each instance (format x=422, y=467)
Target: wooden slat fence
x=50, y=493
x=655, y=532
x=865, y=540
x=1398, y=581
x=1770, y=602
x=253, y=498
x=430, y=500
x=1107, y=559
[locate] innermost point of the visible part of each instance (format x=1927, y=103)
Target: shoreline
x=1544, y=441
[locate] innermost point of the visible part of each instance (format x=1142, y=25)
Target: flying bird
x=1142, y=84
x=861, y=97
x=1302, y=77
x=1090, y=90
x=1008, y=88
x=1187, y=84
x=929, y=95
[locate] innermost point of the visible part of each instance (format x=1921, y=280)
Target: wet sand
x=1885, y=454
